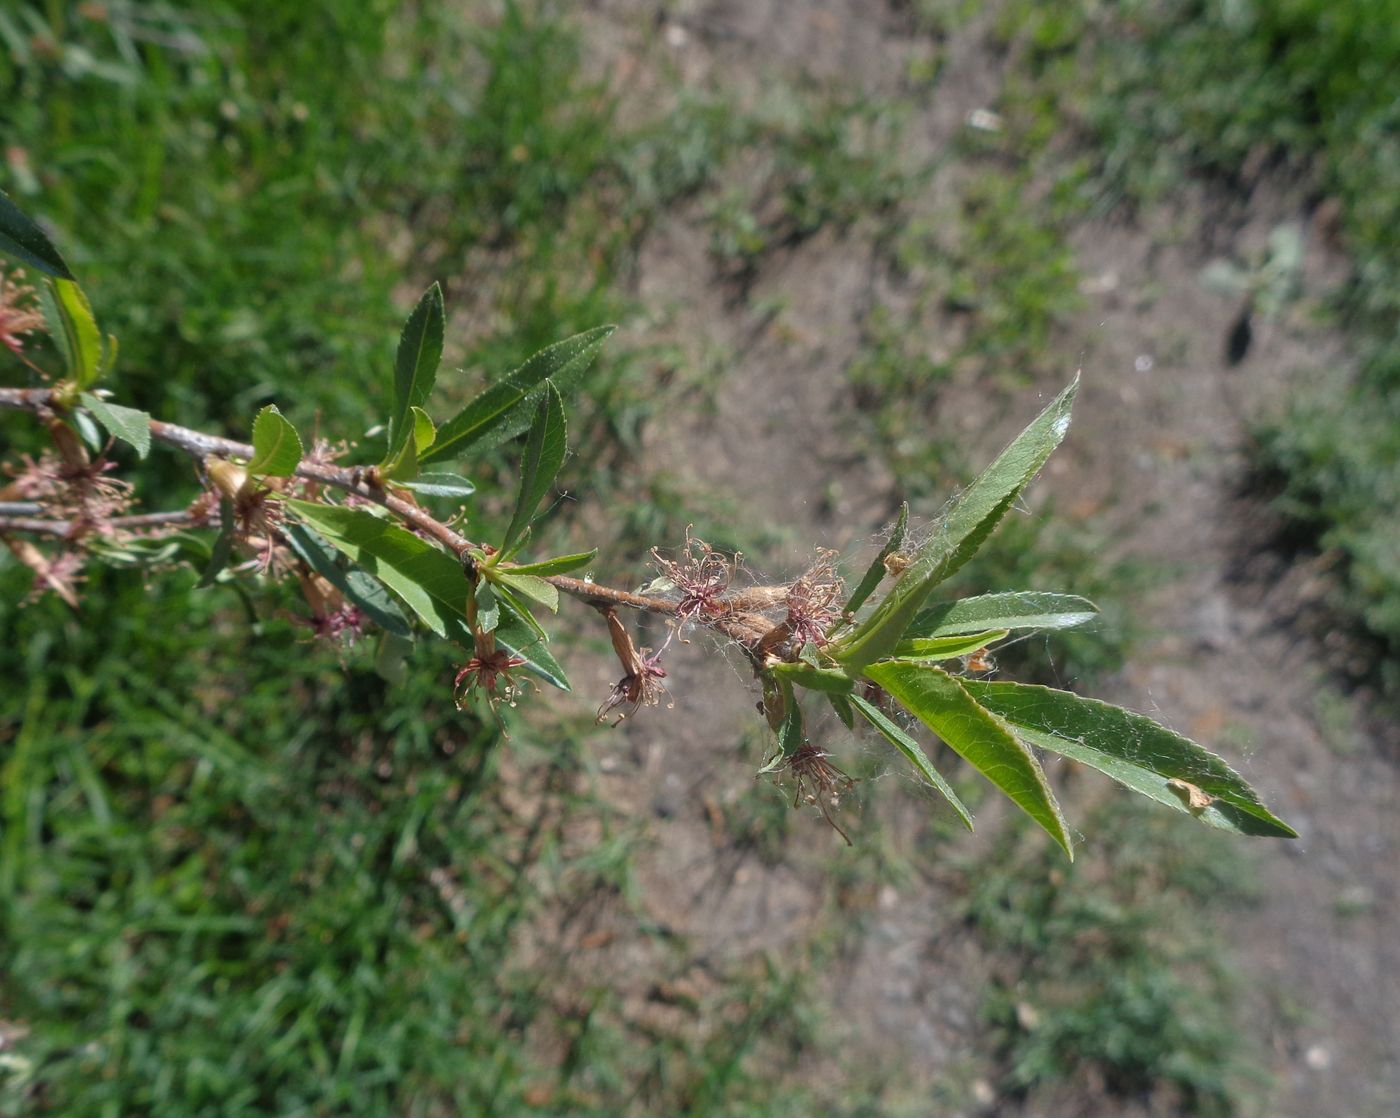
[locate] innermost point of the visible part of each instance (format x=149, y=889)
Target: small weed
x=1107, y=975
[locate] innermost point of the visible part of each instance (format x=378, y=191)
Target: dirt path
x=1156, y=449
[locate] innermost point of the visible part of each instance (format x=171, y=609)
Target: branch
x=44, y=402
x=73, y=529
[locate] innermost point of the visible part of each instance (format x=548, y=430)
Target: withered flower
x=77, y=489
x=818, y=782
x=701, y=575
x=637, y=689
x=18, y=312
x=641, y=683
x=486, y=672
x=812, y=600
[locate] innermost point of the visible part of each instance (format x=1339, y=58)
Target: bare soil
x=1157, y=454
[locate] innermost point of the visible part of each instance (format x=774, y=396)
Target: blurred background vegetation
x=243, y=876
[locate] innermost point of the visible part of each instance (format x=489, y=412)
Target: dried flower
x=78, y=490
x=18, y=312
x=811, y=600
x=818, y=782
x=641, y=683
x=701, y=575
x=637, y=689
x=59, y=574
x=486, y=672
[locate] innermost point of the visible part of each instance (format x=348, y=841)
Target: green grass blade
x=942, y=703
x=1133, y=750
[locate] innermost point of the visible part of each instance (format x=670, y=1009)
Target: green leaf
x=73, y=327
x=504, y=409
x=109, y=355
x=914, y=753
x=790, y=735
x=830, y=681
x=357, y=586
x=559, y=565
x=946, y=648
x=128, y=424
x=1016, y=610
x=528, y=586
x=223, y=546
x=440, y=484
x=1133, y=750
x=544, y=454
x=276, y=446
x=391, y=659
x=426, y=578
x=488, y=610
x=22, y=238
x=403, y=467
x=876, y=572
x=842, y=706
x=974, y=514
x=415, y=366
x=520, y=610
x=941, y=703
x=519, y=640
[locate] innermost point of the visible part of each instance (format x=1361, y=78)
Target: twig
x=348, y=479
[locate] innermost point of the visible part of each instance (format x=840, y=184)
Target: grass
x=1108, y=974
x=239, y=875
x=1233, y=95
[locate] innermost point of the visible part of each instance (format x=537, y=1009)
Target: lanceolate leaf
x=358, y=587
x=21, y=238
x=439, y=484
x=559, y=565
x=830, y=681
x=975, y=513
x=488, y=609
x=520, y=610
x=519, y=640
x=415, y=366
x=941, y=703
x=544, y=454
x=529, y=586
x=914, y=753
x=429, y=581
x=877, y=571
x=276, y=446
x=790, y=736
x=504, y=409
x=946, y=648
x=74, y=330
x=128, y=424
x=1133, y=750
x=403, y=466
x=1017, y=610
x=223, y=546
